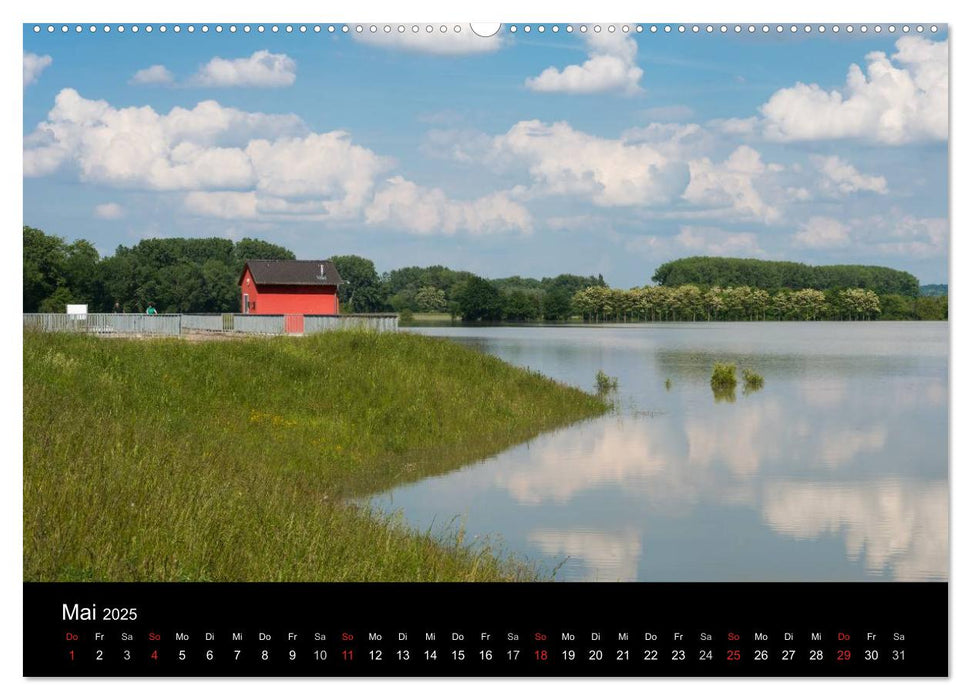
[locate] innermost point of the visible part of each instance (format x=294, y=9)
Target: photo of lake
x=835, y=470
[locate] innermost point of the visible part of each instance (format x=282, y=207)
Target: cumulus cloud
x=261, y=69
x=34, y=65
x=676, y=141
x=232, y=164
x=893, y=234
x=841, y=177
x=109, y=210
x=448, y=44
x=425, y=210
x=564, y=161
x=715, y=241
x=153, y=75
x=198, y=148
x=901, y=234
x=822, y=232
x=611, y=66
x=730, y=186
x=900, y=99
x=696, y=240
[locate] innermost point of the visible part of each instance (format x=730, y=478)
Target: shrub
x=605, y=382
x=753, y=380
x=723, y=376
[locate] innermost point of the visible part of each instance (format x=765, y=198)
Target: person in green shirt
x=151, y=310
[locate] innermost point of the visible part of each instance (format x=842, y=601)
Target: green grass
x=605, y=382
x=163, y=460
x=723, y=375
x=723, y=382
x=753, y=380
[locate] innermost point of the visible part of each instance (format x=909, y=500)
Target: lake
x=836, y=470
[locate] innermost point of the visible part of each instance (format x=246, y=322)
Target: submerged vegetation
x=723, y=375
x=723, y=382
x=162, y=460
x=753, y=380
x=605, y=382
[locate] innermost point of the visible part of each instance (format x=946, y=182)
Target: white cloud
x=261, y=69
x=469, y=146
x=424, y=210
x=34, y=65
x=610, y=67
x=198, y=148
x=822, y=232
x=729, y=186
x=676, y=141
x=222, y=205
x=445, y=44
x=109, y=210
x=715, y=241
x=735, y=126
x=211, y=153
x=564, y=161
x=153, y=75
x=842, y=177
x=696, y=240
x=900, y=99
x=317, y=165
x=893, y=234
x=904, y=235
x=208, y=147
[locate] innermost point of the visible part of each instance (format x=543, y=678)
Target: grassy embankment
x=162, y=460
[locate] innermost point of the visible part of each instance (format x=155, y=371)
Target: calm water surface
x=835, y=471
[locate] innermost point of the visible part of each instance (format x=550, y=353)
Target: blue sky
x=529, y=154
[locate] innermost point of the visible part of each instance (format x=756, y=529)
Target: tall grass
x=605, y=382
x=161, y=460
x=753, y=380
x=723, y=375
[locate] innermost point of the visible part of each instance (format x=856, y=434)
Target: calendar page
x=470, y=349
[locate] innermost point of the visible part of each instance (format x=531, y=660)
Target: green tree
x=555, y=304
x=521, y=306
x=45, y=261
x=362, y=290
x=480, y=300
x=255, y=249
x=430, y=299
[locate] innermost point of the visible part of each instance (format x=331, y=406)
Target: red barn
x=289, y=287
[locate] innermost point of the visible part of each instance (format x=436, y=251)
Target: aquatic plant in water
x=753, y=380
x=605, y=382
x=723, y=375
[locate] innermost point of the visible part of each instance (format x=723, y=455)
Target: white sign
x=79, y=311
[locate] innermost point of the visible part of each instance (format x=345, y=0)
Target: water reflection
x=892, y=525
x=835, y=470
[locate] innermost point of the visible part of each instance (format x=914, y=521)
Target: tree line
x=773, y=275
x=197, y=275
x=691, y=302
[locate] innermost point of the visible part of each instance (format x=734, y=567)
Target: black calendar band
x=506, y=630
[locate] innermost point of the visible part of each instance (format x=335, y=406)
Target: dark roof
x=305, y=272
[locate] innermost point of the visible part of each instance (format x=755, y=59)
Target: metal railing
x=177, y=324
x=372, y=322
x=205, y=322
x=129, y=324
x=259, y=323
